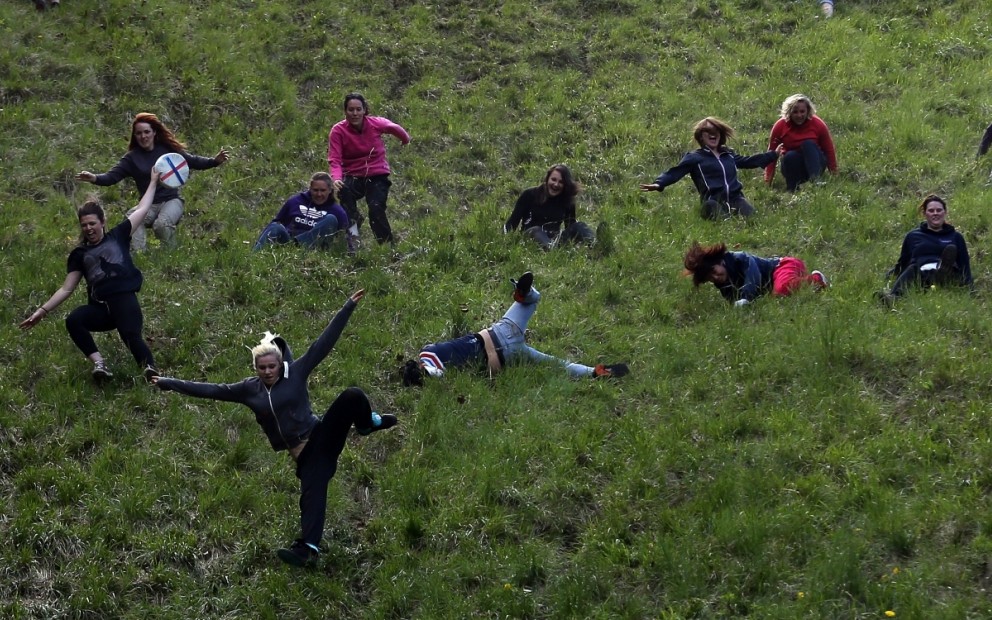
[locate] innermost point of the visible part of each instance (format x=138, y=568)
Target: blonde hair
x=266, y=346
x=791, y=101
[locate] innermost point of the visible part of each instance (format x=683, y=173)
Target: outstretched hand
x=89, y=177
x=222, y=156
x=357, y=295
x=650, y=187
x=32, y=320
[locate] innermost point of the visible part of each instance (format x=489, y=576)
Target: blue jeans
x=510, y=331
x=375, y=191
x=319, y=236
x=803, y=164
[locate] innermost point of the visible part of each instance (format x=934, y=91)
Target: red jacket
x=784, y=132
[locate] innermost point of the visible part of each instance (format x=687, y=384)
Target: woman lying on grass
x=742, y=277
x=279, y=399
x=932, y=254
x=112, y=284
x=713, y=169
x=502, y=343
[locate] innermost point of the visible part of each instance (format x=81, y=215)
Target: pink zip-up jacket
x=361, y=153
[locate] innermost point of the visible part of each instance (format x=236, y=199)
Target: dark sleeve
x=676, y=172
x=75, y=261
x=760, y=160
x=338, y=212
x=983, y=146
x=905, y=255
x=325, y=342
x=227, y=392
x=964, y=261
x=521, y=211
x=283, y=215
x=124, y=169
x=752, y=279
x=197, y=162
x=570, y=212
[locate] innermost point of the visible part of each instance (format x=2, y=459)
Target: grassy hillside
x=813, y=457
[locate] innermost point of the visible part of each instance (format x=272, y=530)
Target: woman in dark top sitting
x=933, y=253
x=542, y=211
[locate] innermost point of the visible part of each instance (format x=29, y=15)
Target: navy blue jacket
x=714, y=177
x=922, y=245
x=747, y=276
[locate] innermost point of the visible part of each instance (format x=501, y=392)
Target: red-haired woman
x=741, y=277
x=150, y=139
x=542, y=211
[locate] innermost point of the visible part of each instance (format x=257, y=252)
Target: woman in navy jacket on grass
x=713, y=169
x=279, y=399
x=932, y=254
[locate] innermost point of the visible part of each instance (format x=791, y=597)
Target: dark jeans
x=319, y=460
x=121, y=312
x=578, y=232
x=912, y=276
x=375, y=191
x=803, y=164
x=717, y=209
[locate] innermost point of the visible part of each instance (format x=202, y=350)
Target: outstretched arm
x=146, y=202
x=70, y=284
x=326, y=341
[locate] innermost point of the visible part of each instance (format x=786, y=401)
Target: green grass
x=813, y=457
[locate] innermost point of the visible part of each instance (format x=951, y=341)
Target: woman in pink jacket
x=357, y=158
x=808, y=145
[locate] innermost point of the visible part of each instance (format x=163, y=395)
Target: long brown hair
x=570, y=188
x=163, y=135
x=700, y=261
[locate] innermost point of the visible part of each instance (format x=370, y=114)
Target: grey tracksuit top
x=283, y=411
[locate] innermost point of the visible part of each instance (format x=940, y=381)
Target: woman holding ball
x=151, y=139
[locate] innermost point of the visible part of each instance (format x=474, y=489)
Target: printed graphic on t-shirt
x=103, y=261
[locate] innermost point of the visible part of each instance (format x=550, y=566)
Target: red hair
x=163, y=135
x=700, y=261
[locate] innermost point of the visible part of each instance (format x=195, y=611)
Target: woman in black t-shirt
x=103, y=258
x=542, y=211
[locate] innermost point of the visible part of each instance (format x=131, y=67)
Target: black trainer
x=101, y=372
x=150, y=372
x=945, y=270
x=613, y=370
x=522, y=286
x=298, y=554
x=380, y=422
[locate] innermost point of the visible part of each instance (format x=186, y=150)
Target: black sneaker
x=150, y=372
x=100, y=371
x=380, y=422
x=298, y=554
x=522, y=286
x=613, y=370
x=945, y=270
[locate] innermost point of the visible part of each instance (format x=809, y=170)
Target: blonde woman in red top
x=809, y=149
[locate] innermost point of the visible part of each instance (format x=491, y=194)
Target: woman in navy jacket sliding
x=713, y=169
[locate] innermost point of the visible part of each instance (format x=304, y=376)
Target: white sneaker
x=819, y=280
x=828, y=9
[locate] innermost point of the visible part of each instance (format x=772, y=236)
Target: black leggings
x=319, y=460
x=120, y=312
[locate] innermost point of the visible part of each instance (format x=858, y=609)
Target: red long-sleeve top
x=785, y=132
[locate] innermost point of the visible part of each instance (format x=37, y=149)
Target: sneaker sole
x=287, y=556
